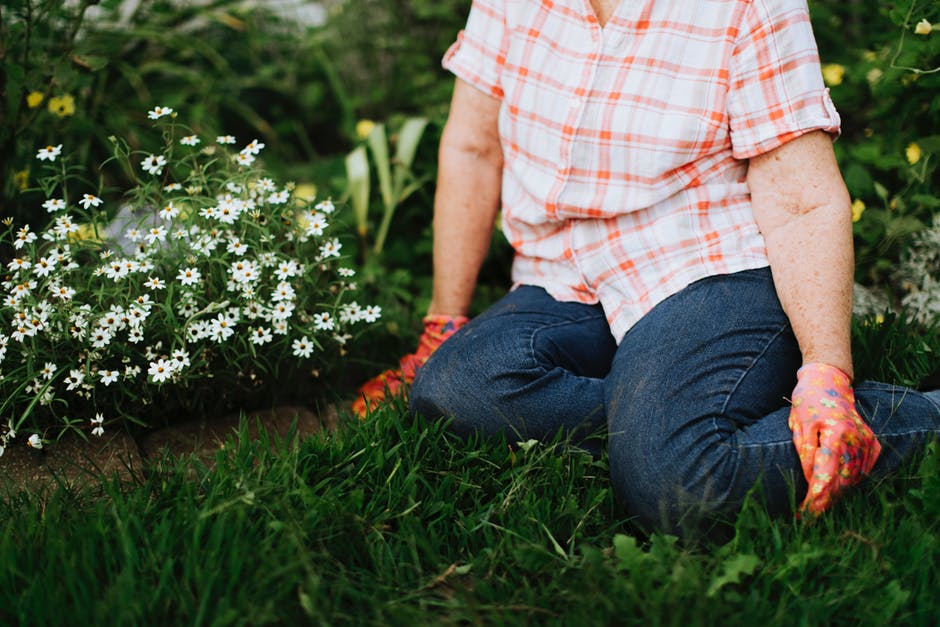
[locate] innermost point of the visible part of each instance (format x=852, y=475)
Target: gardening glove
x=394, y=381
x=836, y=448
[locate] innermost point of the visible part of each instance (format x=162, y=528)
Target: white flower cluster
x=918, y=275
x=230, y=265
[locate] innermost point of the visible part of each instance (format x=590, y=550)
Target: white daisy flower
x=279, y=198
x=221, y=328
x=24, y=236
x=244, y=159
x=330, y=248
x=108, y=376
x=161, y=370
x=303, y=347
x=346, y=272
x=326, y=206
x=236, y=247
x=48, y=370
x=54, y=204
x=155, y=283
x=372, y=313
x=158, y=112
x=49, y=153
x=316, y=224
x=34, y=441
x=189, y=140
x=75, y=379
x=170, y=211
x=19, y=263
x=323, y=322
x=89, y=200
x=254, y=147
x=225, y=139
x=172, y=187
x=153, y=164
x=189, y=276
x=98, y=425
x=260, y=335
x=156, y=234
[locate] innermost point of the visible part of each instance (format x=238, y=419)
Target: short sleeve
x=479, y=54
x=776, y=88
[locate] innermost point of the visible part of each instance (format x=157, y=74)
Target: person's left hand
x=394, y=382
x=836, y=448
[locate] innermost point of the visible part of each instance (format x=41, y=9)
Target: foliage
x=883, y=68
x=211, y=279
x=73, y=70
x=387, y=53
x=396, y=180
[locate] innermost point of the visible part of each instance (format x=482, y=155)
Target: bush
x=76, y=71
x=197, y=297
x=882, y=64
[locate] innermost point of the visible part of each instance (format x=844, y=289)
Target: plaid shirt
x=625, y=147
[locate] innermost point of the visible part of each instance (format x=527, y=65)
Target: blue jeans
x=694, y=399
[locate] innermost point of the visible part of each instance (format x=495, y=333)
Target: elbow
x=469, y=144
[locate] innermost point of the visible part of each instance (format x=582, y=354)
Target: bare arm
x=803, y=211
x=468, y=194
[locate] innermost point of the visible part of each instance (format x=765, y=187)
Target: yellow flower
x=62, y=105
x=923, y=28
x=305, y=193
x=833, y=73
x=857, y=208
x=21, y=180
x=34, y=99
x=364, y=127
x=912, y=152
x=84, y=232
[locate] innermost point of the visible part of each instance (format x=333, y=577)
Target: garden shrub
x=74, y=72
x=214, y=289
x=881, y=62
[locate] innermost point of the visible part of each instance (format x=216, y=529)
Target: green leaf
x=629, y=555
x=357, y=176
x=378, y=144
x=732, y=570
x=881, y=190
x=408, y=139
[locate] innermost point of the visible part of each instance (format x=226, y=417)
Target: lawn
x=396, y=521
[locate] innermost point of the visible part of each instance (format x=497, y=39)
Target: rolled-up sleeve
x=479, y=54
x=776, y=90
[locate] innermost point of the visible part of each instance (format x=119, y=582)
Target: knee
x=446, y=387
x=677, y=494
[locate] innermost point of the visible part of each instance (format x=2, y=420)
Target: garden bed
x=75, y=462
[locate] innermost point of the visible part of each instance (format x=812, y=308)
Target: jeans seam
x=737, y=384
x=545, y=327
x=750, y=367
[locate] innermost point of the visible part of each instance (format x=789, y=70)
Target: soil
x=75, y=462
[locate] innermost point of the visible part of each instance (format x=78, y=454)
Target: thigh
x=529, y=364
x=696, y=398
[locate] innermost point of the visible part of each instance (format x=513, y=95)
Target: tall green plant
x=395, y=177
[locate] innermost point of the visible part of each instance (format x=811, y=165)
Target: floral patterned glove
x=835, y=446
x=394, y=381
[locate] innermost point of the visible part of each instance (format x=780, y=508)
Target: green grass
x=395, y=521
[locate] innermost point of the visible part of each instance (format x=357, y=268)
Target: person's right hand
x=394, y=382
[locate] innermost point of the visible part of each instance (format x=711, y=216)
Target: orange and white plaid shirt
x=625, y=146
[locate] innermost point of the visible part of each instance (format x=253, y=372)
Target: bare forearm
x=469, y=179
x=802, y=209
x=465, y=208
x=812, y=262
